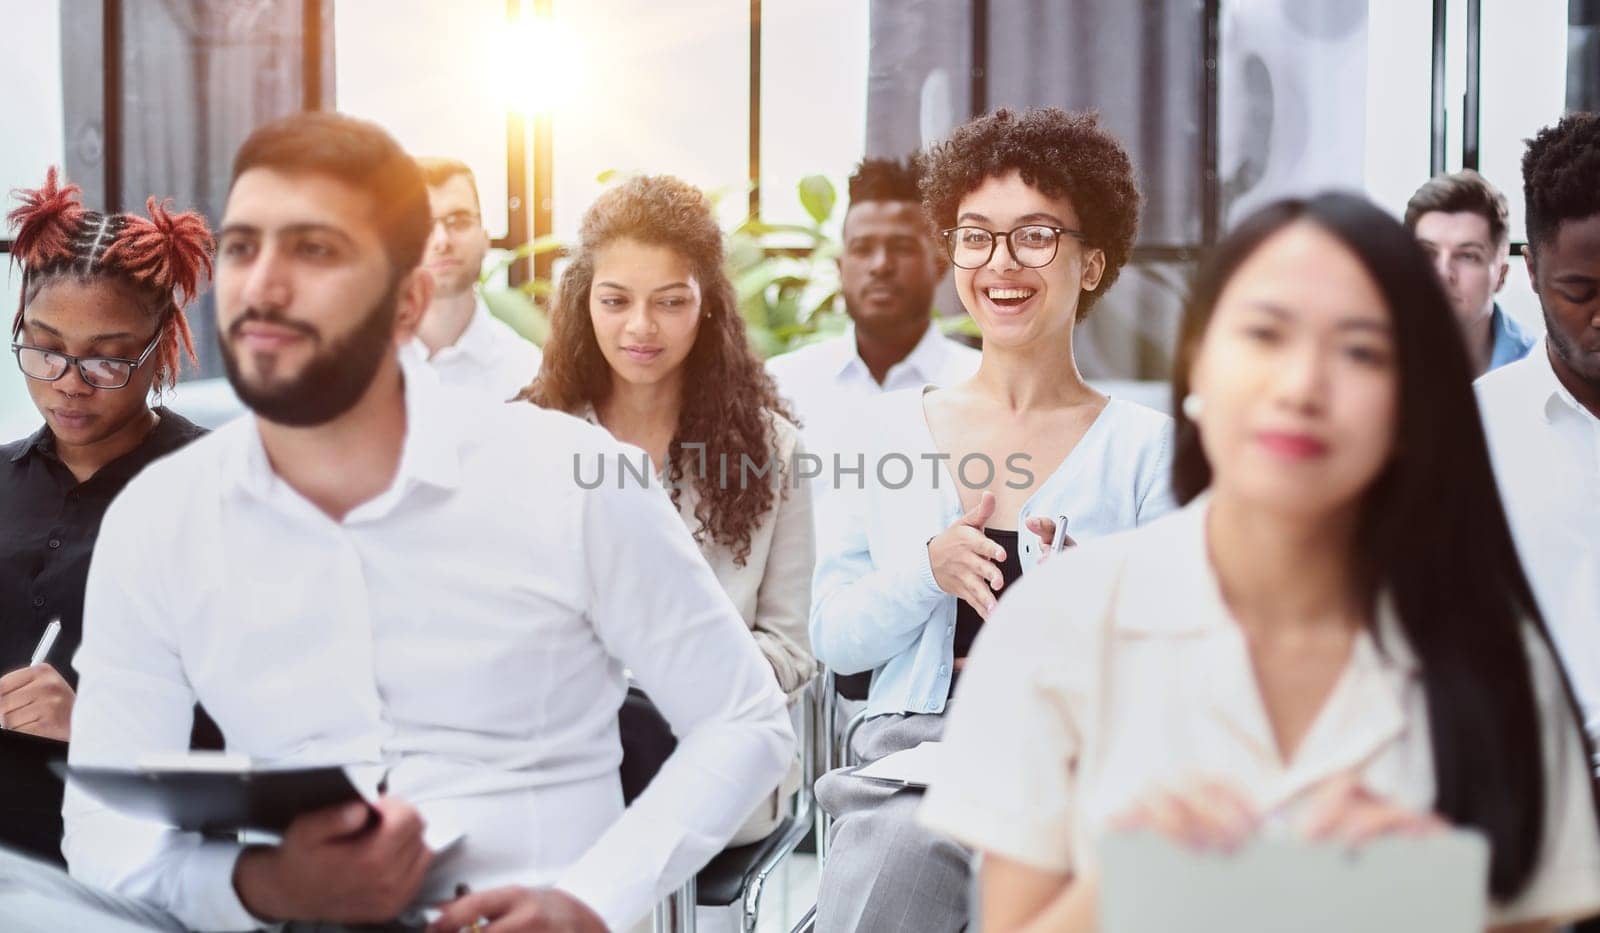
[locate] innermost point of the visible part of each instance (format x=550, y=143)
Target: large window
x=30, y=75
x=439, y=76
x=542, y=96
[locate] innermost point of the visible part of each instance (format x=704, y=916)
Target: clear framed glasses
x=1031, y=245
x=458, y=221
x=102, y=372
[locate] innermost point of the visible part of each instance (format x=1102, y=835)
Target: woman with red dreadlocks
x=100, y=324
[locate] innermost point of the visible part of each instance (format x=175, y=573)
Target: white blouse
x=1117, y=667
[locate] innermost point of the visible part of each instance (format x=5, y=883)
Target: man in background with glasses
x=95, y=331
x=466, y=345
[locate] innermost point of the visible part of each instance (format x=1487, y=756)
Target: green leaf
x=517, y=309
x=824, y=307
x=817, y=196
x=961, y=324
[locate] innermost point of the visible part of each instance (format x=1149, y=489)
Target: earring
x=1193, y=406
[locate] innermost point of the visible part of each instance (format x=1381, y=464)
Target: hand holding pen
x=36, y=699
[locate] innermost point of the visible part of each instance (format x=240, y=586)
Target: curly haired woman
x=1038, y=212
x=646, y=341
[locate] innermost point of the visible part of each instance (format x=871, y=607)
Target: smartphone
x=1059, y=542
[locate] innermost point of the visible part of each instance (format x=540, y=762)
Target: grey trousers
x=884, y=871
x=40, y=898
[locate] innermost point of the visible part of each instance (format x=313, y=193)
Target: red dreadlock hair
x=161, y=257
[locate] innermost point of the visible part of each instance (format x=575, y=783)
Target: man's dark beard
x=1579, y=363
x=331, y=383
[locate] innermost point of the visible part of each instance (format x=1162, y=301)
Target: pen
x=46, y=641
x=1059, y=542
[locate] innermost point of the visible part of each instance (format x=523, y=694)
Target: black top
x=967, y=619
x=50, y=523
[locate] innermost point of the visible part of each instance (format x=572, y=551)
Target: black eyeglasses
x=102, y=372
x=1031, y=245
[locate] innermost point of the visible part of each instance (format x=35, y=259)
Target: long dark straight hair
x=1432, y=534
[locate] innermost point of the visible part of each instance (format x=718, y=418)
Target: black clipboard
x=219, y=802
x=855, y=772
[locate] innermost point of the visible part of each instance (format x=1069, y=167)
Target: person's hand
x=1202, y=813
x=964, y=560
x=518, y=910
x=1045, y=528
x=333, y=866
x=1344, y=811
x=37, y=700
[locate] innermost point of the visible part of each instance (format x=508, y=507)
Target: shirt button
x=943, y=670
x=38, y=601
x=55, y=543
x=933, y=706
x=950, y=629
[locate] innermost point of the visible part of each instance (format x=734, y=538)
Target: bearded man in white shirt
x=374, y=569
x=1542, y=413
x=468, y=346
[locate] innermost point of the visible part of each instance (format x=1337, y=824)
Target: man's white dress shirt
x=1546, y=452
x=827, y=382
x=489, y=357
x=467, y=628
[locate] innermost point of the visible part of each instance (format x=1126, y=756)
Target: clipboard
x=1438, y=883
x=910, y=768
x=217, y=801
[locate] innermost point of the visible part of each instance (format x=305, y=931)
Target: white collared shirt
x=467, y=628
x=488, y=357
x=1546, y=452
x=827, y=382
x=1117, y=668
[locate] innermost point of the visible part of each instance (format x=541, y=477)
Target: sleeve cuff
x=602, y=898
x=213, y=903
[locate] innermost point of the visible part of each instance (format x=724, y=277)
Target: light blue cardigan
x=875, y=606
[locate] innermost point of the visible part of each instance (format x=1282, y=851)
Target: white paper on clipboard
x=1437, y=883
x=912, y=767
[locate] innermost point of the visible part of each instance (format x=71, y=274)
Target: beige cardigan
x=772, y=591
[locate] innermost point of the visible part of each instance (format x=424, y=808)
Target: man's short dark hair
x=1457, y=193
x=436, y=170
x=1064, y=155
x=1561, y=175
x=357, y=153
x=887, y=180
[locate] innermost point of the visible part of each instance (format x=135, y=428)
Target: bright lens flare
x=536, y=64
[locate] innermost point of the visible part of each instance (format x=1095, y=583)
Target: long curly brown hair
x=728, y=398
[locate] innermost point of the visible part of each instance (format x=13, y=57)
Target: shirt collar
x=476, y=343
x=170, y=432
x=41, y=440
x=1551, y=396
x=478, y=340
x=429, y=455
x=1171, y=590
x=1510, y=342
x=926, y=360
